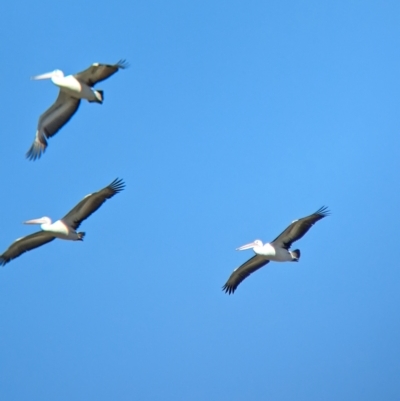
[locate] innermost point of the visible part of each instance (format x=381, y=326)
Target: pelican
x=64, y=228
x=73, y=88
x=277, y=250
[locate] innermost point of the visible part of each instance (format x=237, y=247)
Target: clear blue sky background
x=235, y=118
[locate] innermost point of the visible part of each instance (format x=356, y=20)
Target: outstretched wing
x=99, y=72
x=90, y=203
x=239, y=274
x=25, y=244
x=298, y=228
x=51, y=121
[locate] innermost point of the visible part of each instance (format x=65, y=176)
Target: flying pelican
x=64, y=228
x=73, y=88
x=277, y=250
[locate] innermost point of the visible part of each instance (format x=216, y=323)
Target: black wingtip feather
x=228, y=289
x=323, y=211
x=34, y=152
x=3, y=261
x=38, y=147
x=117, y=185
x=122, y=64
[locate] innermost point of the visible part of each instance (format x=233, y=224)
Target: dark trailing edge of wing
x=98, y=72
x=299, y=228
x=25, y=244
x=92, y=202
x=239, y=274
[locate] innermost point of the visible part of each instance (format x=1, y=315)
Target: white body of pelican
x=270, y=251
x=64, y=228
x=277, y=250
x=73, y=88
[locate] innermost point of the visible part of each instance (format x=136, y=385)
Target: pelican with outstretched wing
x=73, y=88
x=64, y=228
x=277, y=250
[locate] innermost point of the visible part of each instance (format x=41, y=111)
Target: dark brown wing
x=239, y=274
x=25, y=244
x=51, y=121
x=298, y=228
x=99, y=72
x=90, y=203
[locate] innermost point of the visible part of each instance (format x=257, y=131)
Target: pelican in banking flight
x=277, y=250
x=73, y=88
x=64, y=228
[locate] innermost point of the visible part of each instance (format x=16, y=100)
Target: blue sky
x=234, y=119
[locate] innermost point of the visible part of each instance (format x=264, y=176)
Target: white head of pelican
x=278, y=250
x=73, y=88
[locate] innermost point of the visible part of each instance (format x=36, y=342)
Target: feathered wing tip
x=122, y=64
x=4, y=260
x=38, y=147
x=229, y=289
x=323, y=211
x=117, y=185
x=242, y=272
x=81, y=235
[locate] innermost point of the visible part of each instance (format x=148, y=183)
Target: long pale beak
x=34, y=221
x=247, y=246
x=48, y=75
